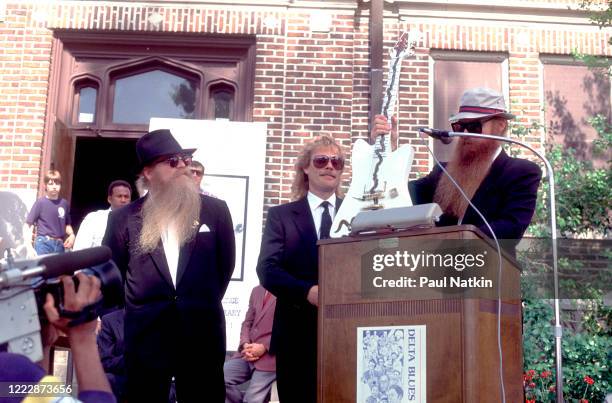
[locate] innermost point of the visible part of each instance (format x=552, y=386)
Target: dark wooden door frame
x=192, y=49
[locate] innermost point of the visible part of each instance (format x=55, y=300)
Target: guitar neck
x=383, y=143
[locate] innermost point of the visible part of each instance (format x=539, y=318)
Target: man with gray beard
x=176, y=250
x=503, y=188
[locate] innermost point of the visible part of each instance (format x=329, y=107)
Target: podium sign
x=391, y=360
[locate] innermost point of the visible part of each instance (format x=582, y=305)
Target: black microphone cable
x=499, y=272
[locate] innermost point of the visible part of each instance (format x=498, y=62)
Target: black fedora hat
x=156, y=144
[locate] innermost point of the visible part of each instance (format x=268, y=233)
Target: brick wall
x=305, y=82
x=24, y=76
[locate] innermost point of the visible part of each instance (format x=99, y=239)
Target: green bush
x=583, y=197
x=587, y=355
x=584, y=201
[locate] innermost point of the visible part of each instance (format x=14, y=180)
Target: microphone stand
x=558, y=331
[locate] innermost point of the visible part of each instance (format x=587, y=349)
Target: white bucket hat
x=477, y=103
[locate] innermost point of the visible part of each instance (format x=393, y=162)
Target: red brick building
x=76, y=76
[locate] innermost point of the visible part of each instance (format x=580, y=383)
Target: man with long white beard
x=503, y=188
x=176, y=250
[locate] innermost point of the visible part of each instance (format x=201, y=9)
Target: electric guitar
x=380, y=176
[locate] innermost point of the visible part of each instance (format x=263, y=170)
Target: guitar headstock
x=406, y=44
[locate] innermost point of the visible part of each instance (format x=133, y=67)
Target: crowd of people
x=175, y=249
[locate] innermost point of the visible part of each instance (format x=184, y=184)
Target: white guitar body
x=393, y=180
x=380, y=177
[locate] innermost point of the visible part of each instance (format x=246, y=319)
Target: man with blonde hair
x=288, y=265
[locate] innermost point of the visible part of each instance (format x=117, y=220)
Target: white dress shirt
x=316, y=210
x=171, y=250
x=92, y=230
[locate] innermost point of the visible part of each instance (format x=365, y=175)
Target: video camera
x=24, y=285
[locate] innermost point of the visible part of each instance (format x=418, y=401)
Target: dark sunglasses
x=321, y=161
x=474, y=126
x=175, y=159
x=197, y=172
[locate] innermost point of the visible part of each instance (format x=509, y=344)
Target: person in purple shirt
x=51, y=216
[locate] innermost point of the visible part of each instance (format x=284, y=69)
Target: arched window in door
x=107, y=84
x=114, y=83
x=85, y=101
x=155, y=93
x=221, y=101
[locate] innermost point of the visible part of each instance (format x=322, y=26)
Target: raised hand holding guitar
x=381, y=126
x=380, y=176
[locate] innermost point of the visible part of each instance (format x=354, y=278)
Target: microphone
x=442, y=135
x=50, y=266
x=68, y=263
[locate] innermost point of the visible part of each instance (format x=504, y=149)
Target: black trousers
x=196, y=381
x=296, y=356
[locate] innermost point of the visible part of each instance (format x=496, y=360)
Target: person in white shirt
x=92, y=228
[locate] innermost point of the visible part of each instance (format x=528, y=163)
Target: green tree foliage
x=583, y=196
x=584, y=205
x=600, y=15
x=584, y=201
x=583, y=193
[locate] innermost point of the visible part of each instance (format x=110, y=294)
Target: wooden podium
x=462, y=357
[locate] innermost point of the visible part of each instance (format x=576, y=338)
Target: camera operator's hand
x=87, y=294
x=82, y=337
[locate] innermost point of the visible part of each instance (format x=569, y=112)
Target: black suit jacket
x=112, y=351
x=288, y=268
x=111, y=342
x=506, y=197
x=164, y=324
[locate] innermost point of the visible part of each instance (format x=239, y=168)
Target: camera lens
x=111, y=286
x=111, y=283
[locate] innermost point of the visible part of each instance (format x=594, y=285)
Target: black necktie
x=326, y=221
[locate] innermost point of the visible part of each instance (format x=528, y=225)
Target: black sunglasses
x=321, y=161
x=474, y=126
x=471, y=127
x=175, y=159
x=196, y=172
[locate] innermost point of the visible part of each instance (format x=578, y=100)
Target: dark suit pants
x=296, y=360
x=196, y=381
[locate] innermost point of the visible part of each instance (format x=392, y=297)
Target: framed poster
x=234, y=190
x=391, y=364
